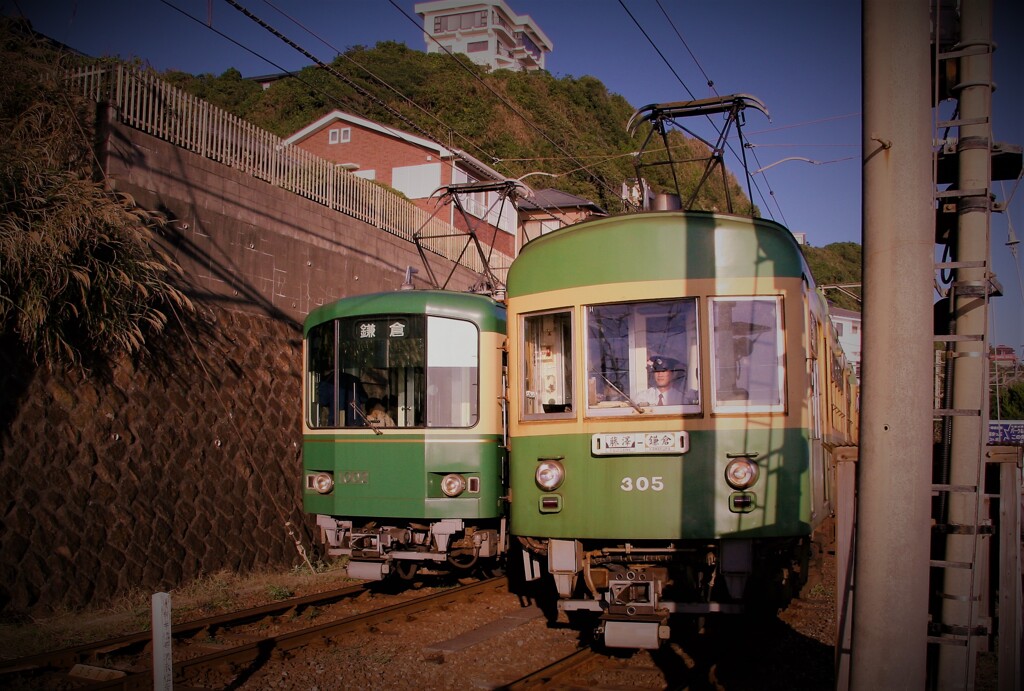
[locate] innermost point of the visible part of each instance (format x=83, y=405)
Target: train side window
x=748, y=355
x=321, y=386
x=547, y=365
x=453, y=367
x=643, y=356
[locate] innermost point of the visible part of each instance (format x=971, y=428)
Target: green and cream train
x=676, y=390
x=404, y=449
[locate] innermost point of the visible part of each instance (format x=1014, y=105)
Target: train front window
x=453, y=373
x=402, y=370
x=370, y=371
x=547, y=365
x=643, y=357
x=748, y=354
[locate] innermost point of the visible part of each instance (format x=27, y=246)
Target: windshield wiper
x=369, y=423
x=623, y=394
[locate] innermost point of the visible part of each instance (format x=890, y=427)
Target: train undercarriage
x=634, y=590
x=380, y=549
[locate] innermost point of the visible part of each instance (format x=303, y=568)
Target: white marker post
x=163, y=662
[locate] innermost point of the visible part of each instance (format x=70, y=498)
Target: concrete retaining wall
x=186, y=462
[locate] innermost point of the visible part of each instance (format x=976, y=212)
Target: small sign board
x=628, y=443
x=1006, y=432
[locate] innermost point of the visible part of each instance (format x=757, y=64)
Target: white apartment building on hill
x=488, y=32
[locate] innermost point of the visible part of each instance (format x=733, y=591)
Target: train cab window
x=402, y=370
x=747, y=354
x=547, y=366
x=453, y=373
x=643, y=357
x=321, y=410
x=367, y=370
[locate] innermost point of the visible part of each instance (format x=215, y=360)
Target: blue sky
x=800, y=57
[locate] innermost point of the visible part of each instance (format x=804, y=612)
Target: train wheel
x=406, y=570
x=463, y=560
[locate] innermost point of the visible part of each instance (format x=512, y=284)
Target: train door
x=818, y=461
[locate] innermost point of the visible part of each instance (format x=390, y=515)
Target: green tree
x=81, y=276
x=1010, y=402
x=837, y=264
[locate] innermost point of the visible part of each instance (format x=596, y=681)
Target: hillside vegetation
x=516, y=122
x=82, y=278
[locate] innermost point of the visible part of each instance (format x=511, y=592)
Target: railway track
x=212, y=643
x=589, y=668
x=558, y=671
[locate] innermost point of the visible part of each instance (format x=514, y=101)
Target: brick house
x=416, y=167
x=547, y=210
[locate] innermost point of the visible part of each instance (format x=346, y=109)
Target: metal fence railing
x=147, y=103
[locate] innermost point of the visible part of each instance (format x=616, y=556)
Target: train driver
x=664, y=392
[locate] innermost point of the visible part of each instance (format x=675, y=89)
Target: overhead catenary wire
x=293, y=74
x=710, y=82
x=518, y=113
x=278, y=34
x=581, y=166
x=320, y=63
x=689, y=92
x=383, y=82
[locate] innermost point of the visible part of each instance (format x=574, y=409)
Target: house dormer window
x=339, y=135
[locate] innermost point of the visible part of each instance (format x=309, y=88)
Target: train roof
x=656, y=246
x=482, y=310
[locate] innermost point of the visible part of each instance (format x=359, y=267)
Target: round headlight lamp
x=741, y=473
x=322, y=482
x=550, y=475
x=453, y=484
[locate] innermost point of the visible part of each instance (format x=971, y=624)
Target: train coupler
x=639, y=631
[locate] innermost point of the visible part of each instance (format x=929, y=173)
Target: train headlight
x=321, y=482
x=741, y=473
x=453, y=484
x=550, y=475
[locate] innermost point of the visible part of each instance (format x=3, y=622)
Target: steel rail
x=66, y=658
x=545, y=675
x=263, y=648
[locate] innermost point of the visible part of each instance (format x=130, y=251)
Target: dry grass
x=206, y=596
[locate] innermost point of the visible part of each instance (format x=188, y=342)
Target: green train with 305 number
x=404, y=452
x=676, y=393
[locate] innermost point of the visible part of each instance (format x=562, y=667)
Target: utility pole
x=890, y=602
x=964, y=588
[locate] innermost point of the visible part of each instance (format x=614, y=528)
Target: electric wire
x=296, y=75
x=344, y=55
x=282, y=70
x=320, y=63
x=689, y=92
x=580, y=165
x=710, y=82
x=594, y=176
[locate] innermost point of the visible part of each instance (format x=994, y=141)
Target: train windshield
x=643, y=357
x=747, y=354
x=393, y=371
